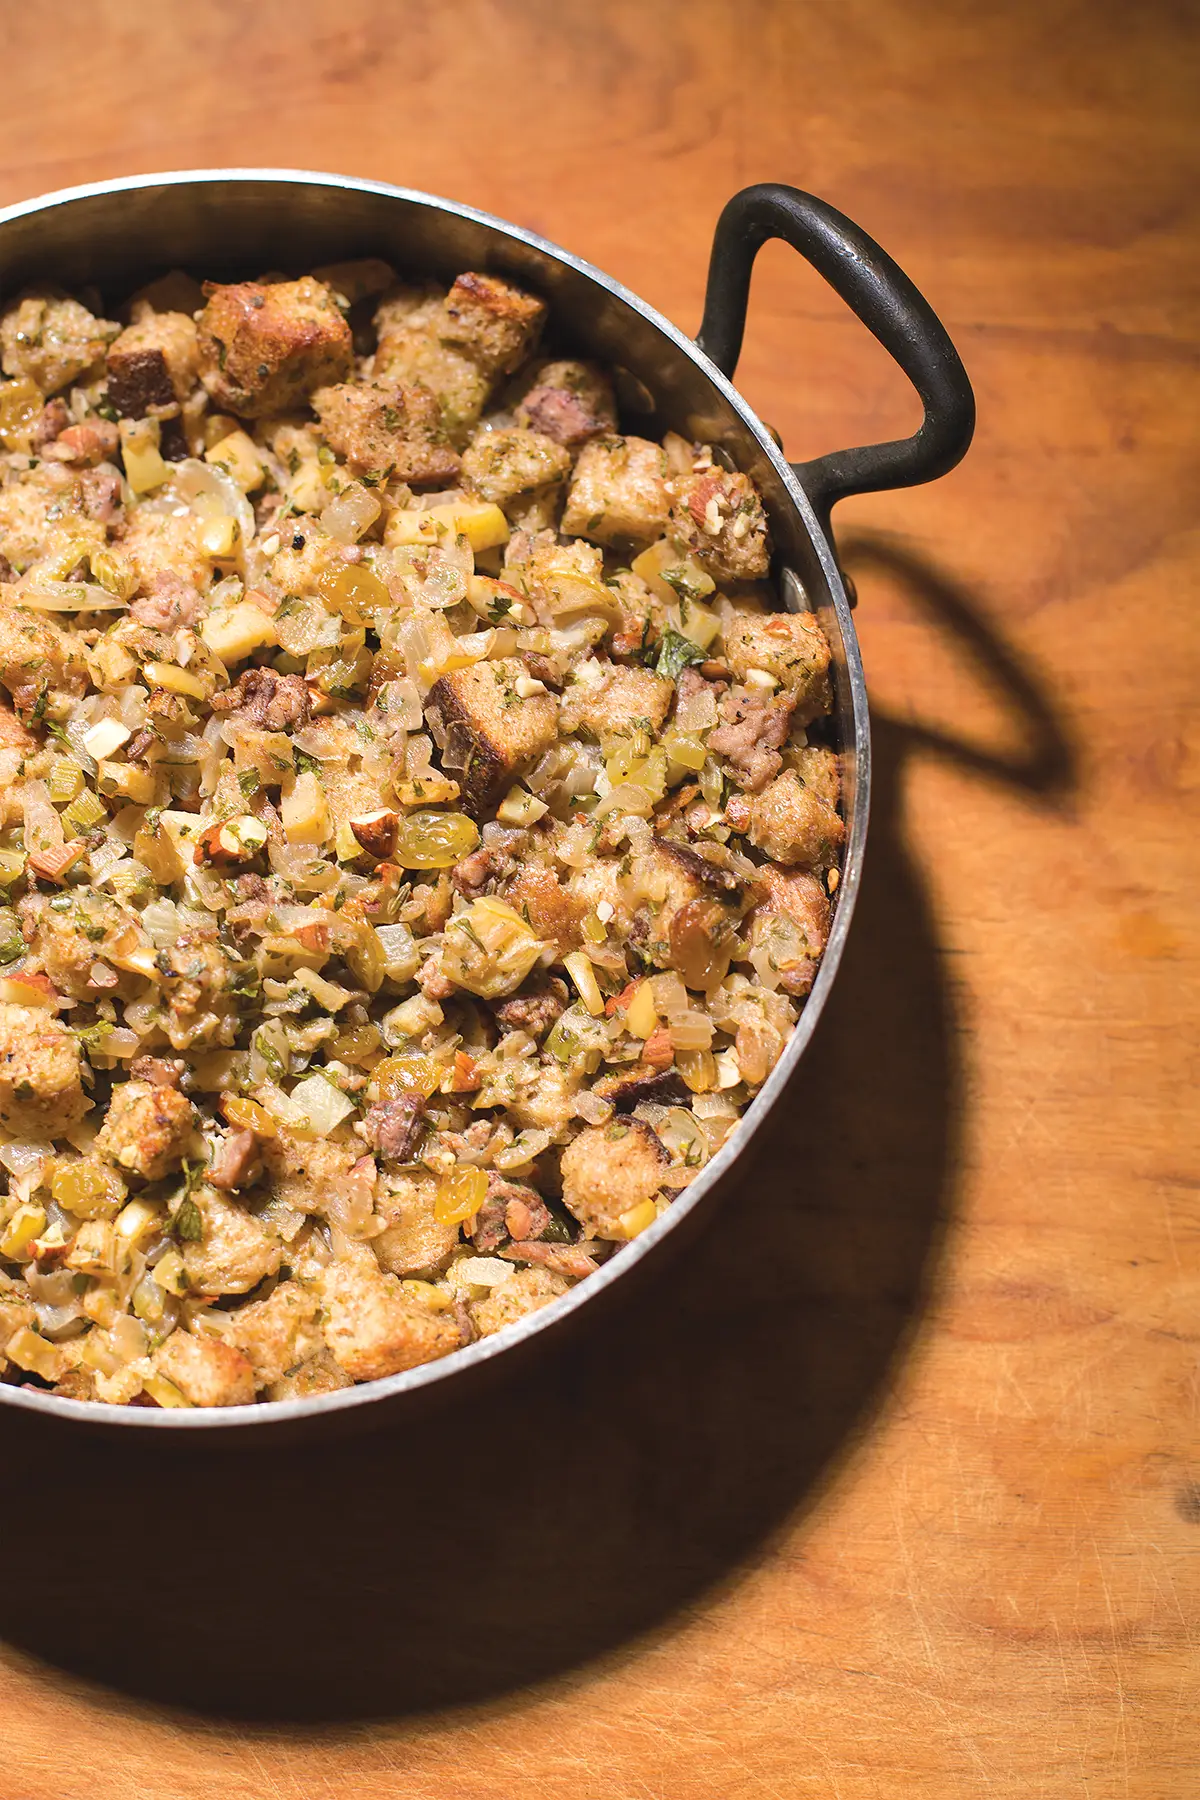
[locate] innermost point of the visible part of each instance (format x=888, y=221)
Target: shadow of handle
x=1045, y=764
x=888, y=304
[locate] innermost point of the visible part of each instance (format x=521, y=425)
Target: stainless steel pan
x=238, y=222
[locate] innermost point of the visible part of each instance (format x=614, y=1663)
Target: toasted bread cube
x=383, y=427
x=790, y=646
x=37, y=656
x=264, y=348
x=41, y=1086
x=526, y=1291
x=14, y=1316
x=792, y=824
x=411, y=349
x=493, y=321
x=622, y=699
x=66, y=943
x=793, y=900
x=51, y=340
x=820, y=770
x=488, y=733
x=414, y=1242
x=155, y=362
x=618, y=493
x=610, y=1169
x=147, y=1130
x=569, y=402
x=302, y=1170
x=277, y=1333
x=372, y=1327
x=163, y=543
x=501, y=465
x=672, y=876
x=319, y=1375
x=718, y=517
x=206, y=1370
x=234, y=1251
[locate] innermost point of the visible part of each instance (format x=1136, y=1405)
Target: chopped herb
x=188, y=1224
x=270, y=1055
x=249, y=781
x=499, y=609
x=466, y=925
x=11, y=948
x=305, y=761
x=675, y=654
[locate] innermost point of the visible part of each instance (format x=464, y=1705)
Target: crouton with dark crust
x=618, y=493
x=372, y=1327
x=552, y=910
x=675, y=876
x=153, y=363
x=493, y=321
x=41, y=1085
x=488, y=731
x=147, y=1130
x=383, y=427
x=608, y=1170
x=264, y=348
x=616, y=703
x=207, y=1371
x=717, y=516
x=569, y=402
x=790, y=646
x=629, y=1086
x=501, y=465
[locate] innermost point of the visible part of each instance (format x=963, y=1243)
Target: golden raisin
x=435, y=840
x=460, y=1194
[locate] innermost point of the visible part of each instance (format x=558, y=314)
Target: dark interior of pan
x=240, y=224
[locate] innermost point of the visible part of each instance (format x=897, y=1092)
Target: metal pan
x=238, y=222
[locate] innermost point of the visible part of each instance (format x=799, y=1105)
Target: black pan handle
x=888, y=305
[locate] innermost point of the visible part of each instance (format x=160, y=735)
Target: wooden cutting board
x=892, y=1486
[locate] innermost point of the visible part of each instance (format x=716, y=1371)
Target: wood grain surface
x=892, y=1487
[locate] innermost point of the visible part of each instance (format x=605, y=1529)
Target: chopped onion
x=24, y=1159
x=351, y=515
x=208, y=493
x=44, y=595
x=160, y=921
x=106, y=858
x=479, y=1271
x=403, y=705
x=323, y=1105
x=56, y=1321
x=43, y=827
